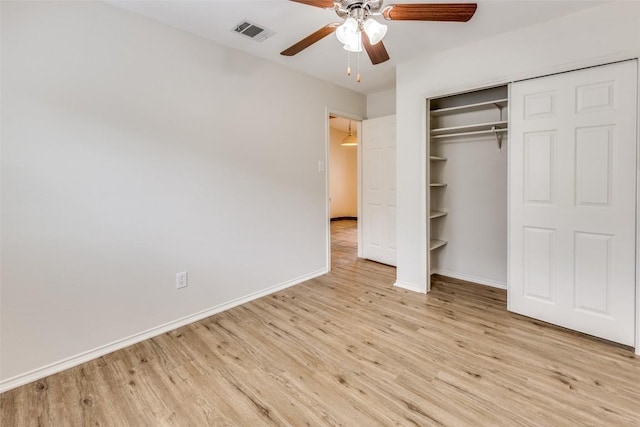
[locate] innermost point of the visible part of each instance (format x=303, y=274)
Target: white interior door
x=572, y=208
x=378, y=218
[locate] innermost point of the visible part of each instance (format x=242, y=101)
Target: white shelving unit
x=463, y=118
x=436, y=214
x=435, y=244
x=497, y=127
x=436, y=162
x=461, y=130
x=499, y=103
x=470, y=130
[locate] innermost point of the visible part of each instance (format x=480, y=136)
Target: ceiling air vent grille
x=253, y=31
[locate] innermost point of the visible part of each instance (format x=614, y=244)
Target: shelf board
x=501, y=124
x=436, y=214
x=498, y=103
x=437, y=184
x=437, y=159
x=477, y=132
x=435, y=244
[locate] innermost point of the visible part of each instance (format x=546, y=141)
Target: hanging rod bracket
x=498, y=133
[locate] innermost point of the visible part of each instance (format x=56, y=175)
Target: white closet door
x=378, y=219
x=572, y=208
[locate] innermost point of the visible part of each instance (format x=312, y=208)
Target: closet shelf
x=437, y=158
x=498, y=103
x=479, y=132
x=437, y=214
x=469, y=129
x=435, y=244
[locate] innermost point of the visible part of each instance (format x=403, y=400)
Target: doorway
x=343, y=176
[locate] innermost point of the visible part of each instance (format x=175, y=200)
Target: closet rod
x=478, y=132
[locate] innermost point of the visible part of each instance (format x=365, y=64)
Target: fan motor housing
x=359, y=9
x=368, y=5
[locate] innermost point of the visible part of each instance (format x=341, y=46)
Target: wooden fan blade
x=310, y=39
x=325, y=4
x=457, y=12
x=377, y=52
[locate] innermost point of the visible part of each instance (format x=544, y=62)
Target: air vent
x=253, y=31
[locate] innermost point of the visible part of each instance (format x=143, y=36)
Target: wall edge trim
x=70, y=362
x=410, y=287
x=467, y=278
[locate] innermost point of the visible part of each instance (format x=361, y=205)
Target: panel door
x=572, y=208
x=378, y=219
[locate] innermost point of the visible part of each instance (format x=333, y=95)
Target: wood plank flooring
x=348, y=349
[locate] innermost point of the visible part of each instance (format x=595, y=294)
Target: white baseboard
x=468, y=278
x=410, y=287
x=72, y=361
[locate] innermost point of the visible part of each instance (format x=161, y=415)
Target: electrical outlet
x=181, y=280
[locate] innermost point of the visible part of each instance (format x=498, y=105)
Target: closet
x=554, y=208
x=467, y=192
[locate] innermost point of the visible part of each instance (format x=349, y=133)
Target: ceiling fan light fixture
x=348, y=31
x=358, y=14
x=355, y=46
x=375, y=30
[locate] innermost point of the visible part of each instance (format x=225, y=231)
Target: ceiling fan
x=358, y=30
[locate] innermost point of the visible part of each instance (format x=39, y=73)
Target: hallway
x=344, y=241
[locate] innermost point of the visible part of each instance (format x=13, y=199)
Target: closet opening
x=553, y=213
x=467, y=186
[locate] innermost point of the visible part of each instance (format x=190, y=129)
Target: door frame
x=506, y=80
x=329, y=111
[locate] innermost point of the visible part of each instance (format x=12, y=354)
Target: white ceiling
x=405, y=40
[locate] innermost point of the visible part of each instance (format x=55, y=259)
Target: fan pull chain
x=358, y=59
x=348, y=63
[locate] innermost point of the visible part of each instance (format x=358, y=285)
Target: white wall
x=343, y=176
x=475, y=198
x=381, y=104
x=601, y=34
x=132, y=151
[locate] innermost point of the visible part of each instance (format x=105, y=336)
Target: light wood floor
x=348, y=349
